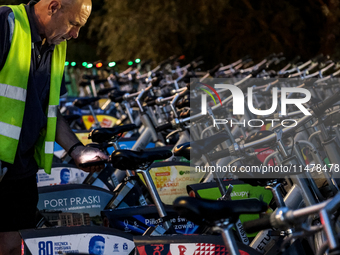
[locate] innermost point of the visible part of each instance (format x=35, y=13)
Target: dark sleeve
x=5, y=33
x=63, y=89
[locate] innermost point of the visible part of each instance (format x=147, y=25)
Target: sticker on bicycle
x=79, y=243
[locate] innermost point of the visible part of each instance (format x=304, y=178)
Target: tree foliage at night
x=219, y=30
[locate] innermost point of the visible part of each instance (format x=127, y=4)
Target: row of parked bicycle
x=263, y=144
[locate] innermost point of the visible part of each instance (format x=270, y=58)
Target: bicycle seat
x=205, y=145
x=203, y=211
x=101, y=135
x=133, y=160
x=183, y=150
x=81, y=102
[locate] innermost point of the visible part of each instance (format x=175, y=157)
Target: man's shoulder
x=6, y=30
x=5, y=11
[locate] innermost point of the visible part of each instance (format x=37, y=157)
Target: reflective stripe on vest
x=52, y=111
x=13, y=93
x=49, y=147
x=10, y=130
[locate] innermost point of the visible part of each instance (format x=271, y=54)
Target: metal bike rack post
x=156, y=199
x=226, y=230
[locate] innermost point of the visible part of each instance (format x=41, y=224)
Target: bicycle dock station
x=220, y=178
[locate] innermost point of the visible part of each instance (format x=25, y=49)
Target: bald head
x=60, y=20
x=68, y=4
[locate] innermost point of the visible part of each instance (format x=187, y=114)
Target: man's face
x=66, y=177
x=66, y=23
x=98, y=248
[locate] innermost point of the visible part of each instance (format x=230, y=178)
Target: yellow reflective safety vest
x=13, y=89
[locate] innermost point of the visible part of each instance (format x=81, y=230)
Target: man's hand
x=82, y=154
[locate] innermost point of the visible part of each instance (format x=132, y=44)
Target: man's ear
x=53, y=7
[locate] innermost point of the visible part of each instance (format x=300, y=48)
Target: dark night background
x=221, y=31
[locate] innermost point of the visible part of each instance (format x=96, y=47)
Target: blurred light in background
x=99, y=65
x=112, y=64
x=130, y=63
x=137, y=60
x=89, y=65
x=73, y=63
x=84, y=64
x=67, y=63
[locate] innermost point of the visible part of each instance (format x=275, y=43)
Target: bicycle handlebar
x=219, y=154
x=257, y=225
x=151, y=103
x=272, y=137
x=284, y=218
x=103, y=92
x=215, y=69
x=164, y=127
x=90, y=77
x=321, y=107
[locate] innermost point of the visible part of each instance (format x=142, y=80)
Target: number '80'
x=45, y=248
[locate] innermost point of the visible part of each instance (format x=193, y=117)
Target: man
x=32, y=56
x=64, y=176
x=97, y=245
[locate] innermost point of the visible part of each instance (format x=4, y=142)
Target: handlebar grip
x=146, y=62
x=245, y=58
x=94, y=163
x=164, y=127
x=321, y=107
x=84, y=83
x=90, y=77
x=133, y=104
x=254, y=73
x=257, y=225
x=118, y=99
x=168, y=60
x=198, y=59
x=295, y=60
x=219, y=154
x=103, y=92
x=215, y=69
x=318, y=57
x=100, y=80
x=155, y=81
x=151, y=103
